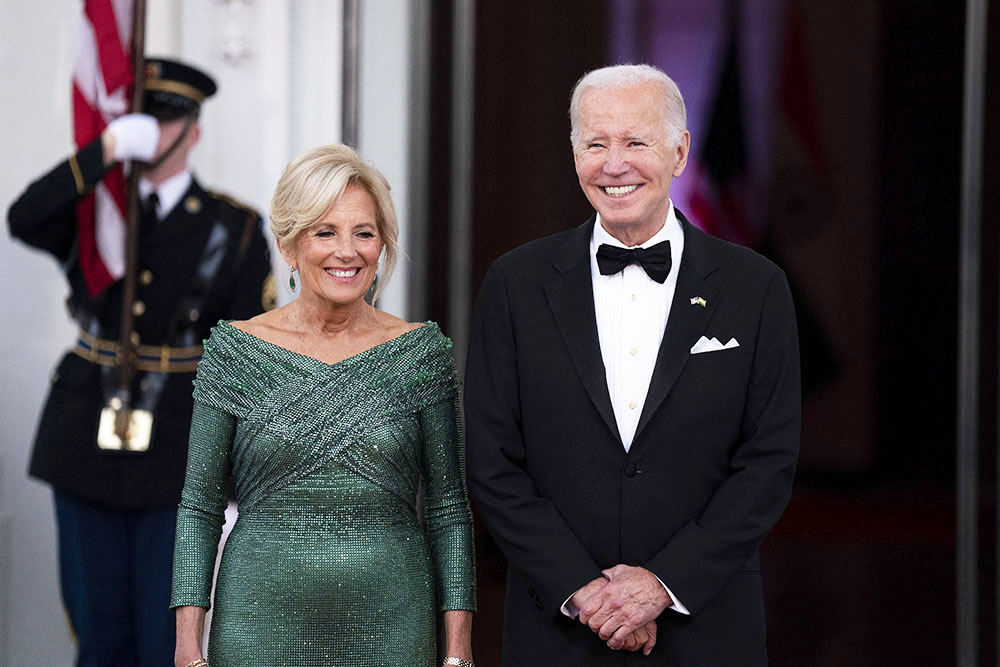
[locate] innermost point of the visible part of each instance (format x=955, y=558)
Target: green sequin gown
x=327, y=563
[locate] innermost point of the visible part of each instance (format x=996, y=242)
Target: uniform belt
x=156, y=358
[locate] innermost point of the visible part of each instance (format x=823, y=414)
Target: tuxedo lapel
x=571, y=298
x=687, y=321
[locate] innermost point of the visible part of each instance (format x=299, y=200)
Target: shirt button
x=631, y=406
x=138, y=308
x=633, y=351
x=146, y=277
x=635, y=297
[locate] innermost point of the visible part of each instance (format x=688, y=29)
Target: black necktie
x=149, y=207
x=654, y=260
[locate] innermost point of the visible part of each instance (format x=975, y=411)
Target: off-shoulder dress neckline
x=357, y=355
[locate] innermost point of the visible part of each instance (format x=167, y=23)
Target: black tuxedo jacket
x=708, y=474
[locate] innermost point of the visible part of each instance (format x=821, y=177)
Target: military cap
x=173, y=89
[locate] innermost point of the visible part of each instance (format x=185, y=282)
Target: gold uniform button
x=635, y=297
x=146, y=277
x=138, y=308
x=631, y=406
x=633, y=351
x=134, y=337
x=192, y=205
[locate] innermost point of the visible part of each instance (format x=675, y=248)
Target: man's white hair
x=618, y=77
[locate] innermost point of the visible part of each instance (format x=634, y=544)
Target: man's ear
x=683, y=148
x=194, y=133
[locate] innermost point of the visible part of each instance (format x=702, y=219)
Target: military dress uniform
x=206, y=260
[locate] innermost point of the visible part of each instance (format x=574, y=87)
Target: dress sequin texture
x=328, y=563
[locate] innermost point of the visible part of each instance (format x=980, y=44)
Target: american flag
x=102, y=80
x=719, y=199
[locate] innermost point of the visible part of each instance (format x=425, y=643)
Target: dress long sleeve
x=446, y=506
x=203, y=505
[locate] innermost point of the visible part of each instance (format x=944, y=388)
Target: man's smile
x=619, y=190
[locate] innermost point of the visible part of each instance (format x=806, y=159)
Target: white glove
x=135, y=135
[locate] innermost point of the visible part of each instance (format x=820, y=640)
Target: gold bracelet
x=200, y=662
x=458, y=662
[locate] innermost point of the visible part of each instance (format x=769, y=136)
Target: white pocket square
x=712, y=345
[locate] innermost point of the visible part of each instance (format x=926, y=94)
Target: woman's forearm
x=458, y=634
x=190, y=630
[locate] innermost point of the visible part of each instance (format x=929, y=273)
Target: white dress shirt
x=168, y=193
x=632, y=311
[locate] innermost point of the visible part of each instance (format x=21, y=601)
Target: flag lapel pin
x=698, y=301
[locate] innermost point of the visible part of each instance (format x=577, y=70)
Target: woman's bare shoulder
x=396, y=326
x=261, y=324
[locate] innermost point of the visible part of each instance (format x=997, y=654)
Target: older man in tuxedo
x=632, y=406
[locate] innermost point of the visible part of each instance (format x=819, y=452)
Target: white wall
x=384, y=132
x=278, y=67
x=36, y=44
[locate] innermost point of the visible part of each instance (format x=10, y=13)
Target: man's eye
x=594, y=145
x=636, y=144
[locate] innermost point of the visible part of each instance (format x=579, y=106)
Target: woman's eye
x=366, y=235
x=324, y=234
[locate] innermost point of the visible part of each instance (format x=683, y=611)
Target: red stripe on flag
x=114, y=180
x=102, y=75
x=703, y=212
x=87, y=125
x=95, y=274
x=720, y=210
x=115, y=66
x=87, y=121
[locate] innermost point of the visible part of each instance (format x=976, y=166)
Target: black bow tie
x=654, y=260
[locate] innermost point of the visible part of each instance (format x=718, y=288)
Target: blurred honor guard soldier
x=201, y=257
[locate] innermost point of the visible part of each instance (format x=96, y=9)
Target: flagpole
x=127, y=344
x=967, y=445
x=463, y=79
x=351, y=74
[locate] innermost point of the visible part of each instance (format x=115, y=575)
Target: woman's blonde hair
x=315, y=181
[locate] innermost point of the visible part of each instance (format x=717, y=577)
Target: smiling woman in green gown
x=327, y=414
